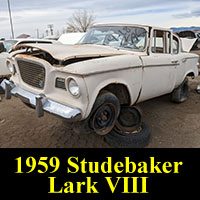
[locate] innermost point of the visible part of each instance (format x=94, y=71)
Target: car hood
x=66, y=52
x=187, y=44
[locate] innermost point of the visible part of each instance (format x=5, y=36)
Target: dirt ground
x=172, y=125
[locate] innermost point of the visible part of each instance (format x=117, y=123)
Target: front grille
x=32, y=73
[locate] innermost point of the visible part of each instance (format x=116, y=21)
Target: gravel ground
x=172, y=125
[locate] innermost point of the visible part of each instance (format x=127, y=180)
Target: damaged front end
x=38, y=81
x=40, y=102
x=51, y=77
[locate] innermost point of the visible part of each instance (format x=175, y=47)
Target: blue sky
x=31, y=15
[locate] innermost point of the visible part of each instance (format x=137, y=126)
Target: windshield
x=130, y=37
x=9, y=44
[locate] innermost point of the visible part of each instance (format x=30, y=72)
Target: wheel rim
x=129, y=120
x=104, y=119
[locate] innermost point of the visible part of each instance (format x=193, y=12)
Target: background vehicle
x=70, y=38
x=191, y=35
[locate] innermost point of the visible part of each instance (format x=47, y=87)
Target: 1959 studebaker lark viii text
x=98, y=82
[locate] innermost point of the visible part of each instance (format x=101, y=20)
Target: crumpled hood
x=66, y=52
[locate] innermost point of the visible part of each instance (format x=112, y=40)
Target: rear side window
x=175, y=45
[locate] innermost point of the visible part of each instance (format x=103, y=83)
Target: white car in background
x=6, y=47
x=70, y=38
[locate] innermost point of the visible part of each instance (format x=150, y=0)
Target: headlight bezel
x=72, y=81
x=11, y=67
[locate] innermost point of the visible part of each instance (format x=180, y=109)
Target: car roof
x=128, y=24
x=119, y=24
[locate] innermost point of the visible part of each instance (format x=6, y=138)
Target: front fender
x=130, y=78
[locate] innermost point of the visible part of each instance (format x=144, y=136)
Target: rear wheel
x=180, y=94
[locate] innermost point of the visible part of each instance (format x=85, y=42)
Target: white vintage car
x=70, y=38
x=100, y=80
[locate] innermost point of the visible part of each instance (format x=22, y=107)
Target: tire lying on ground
x=135, y=140
x=129, y=131
x=180, y=94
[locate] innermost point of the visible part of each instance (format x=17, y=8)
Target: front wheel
x=103, y=115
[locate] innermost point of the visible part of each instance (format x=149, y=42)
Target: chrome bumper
x=40, y=102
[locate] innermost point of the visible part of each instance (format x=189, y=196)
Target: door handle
x=174, y=61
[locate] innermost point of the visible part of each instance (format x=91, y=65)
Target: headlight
x=73, y=87
x=11, y=67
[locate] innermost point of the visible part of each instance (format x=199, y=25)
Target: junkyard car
x=100, y=80
x=70, y=38
x=191, y=35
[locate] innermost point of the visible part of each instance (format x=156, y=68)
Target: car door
x=159, y=67
x=181, y=57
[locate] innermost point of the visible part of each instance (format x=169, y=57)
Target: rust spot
x=138, y=95
x=31, y=57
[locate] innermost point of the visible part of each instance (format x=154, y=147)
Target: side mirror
x=2, y=48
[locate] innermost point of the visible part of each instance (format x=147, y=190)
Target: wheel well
x=120, y=91
x=191, y=74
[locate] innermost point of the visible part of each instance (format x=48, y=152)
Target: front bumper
x=40, y=102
